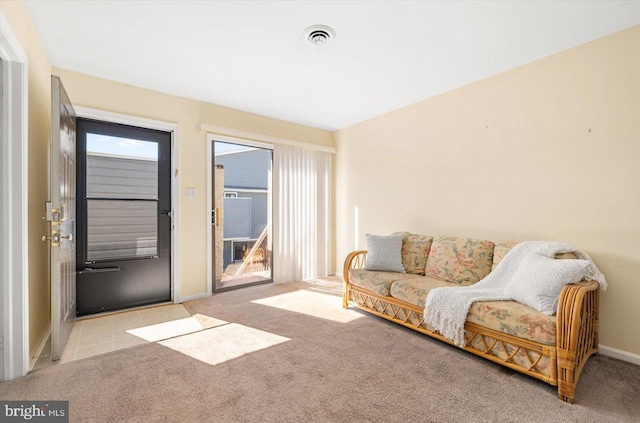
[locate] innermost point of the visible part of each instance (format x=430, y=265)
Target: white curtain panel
x=302, y=213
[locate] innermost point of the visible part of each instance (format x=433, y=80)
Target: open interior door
x=61, y=211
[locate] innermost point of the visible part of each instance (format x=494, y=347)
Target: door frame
x=174, y=129
x=15, y=276
x=211, y=137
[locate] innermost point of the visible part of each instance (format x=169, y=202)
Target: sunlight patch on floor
x=220, y=344
x=173, y=328
x=316, y=304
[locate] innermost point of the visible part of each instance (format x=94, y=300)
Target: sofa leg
x=566, y=399
x=345, y=296
x=566, y=391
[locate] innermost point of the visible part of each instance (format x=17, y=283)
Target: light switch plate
x=191, y=192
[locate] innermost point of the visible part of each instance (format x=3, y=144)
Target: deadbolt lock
x=52, y=214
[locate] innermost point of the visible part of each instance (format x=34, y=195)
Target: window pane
x=121, y=168
x=121, y=229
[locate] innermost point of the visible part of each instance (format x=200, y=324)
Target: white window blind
x=302, y=213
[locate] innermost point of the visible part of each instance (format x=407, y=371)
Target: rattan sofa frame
x=576, y=331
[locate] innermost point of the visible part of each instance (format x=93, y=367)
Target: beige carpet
x=292, y=354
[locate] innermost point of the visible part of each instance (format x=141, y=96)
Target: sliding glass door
x=241, y=215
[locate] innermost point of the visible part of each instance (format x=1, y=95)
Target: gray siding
x=259, y=211
x=226, y=254
x=115, y=177
x=237, y=218
x=246, y=169
x=121, y=228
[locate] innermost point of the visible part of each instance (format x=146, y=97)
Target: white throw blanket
x=446, y=308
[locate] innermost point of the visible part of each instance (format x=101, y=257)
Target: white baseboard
x=619, y=354
x=192, y=297
x=38, y=352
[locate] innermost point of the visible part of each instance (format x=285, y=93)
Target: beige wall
x=39, y=136
x=550, y=150
x=97, y=93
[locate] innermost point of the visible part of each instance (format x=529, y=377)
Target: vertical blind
x=302, y=215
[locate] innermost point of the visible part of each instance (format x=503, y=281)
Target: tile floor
x=99, y=335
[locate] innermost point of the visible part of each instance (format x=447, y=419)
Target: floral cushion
x=500, y=250
x=515, y=319
x=509, y=317
x=415, y=250
x=415, y=291
x=378, y=282
x=461, y=260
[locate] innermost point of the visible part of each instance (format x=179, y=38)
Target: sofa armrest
x=355, y=260
x=577, y=333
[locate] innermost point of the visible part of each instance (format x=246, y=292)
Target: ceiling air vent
x=319, y=35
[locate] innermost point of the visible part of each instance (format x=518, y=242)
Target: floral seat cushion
x=378, y=282
x=415, y=291
x=508, y=317
x=515, y=319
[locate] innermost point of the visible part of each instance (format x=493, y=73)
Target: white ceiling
x=251, y=55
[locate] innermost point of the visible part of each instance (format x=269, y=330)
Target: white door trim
x=174, y=128
x=14, y=261
x=208, y=217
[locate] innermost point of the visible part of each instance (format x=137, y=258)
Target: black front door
x=124, y=217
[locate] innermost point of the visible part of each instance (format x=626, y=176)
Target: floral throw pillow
x=415, y=250
x=459, y=260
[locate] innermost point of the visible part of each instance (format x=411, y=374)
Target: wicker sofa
x=550, y=348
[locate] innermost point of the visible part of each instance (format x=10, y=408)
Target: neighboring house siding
x=259, y=211
x=237, y=218
x=246, y=169
x=115, y=177
x=119, y=228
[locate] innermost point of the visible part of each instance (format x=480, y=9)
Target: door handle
x=165, y=212
x=214, y=217
x=99, y=270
